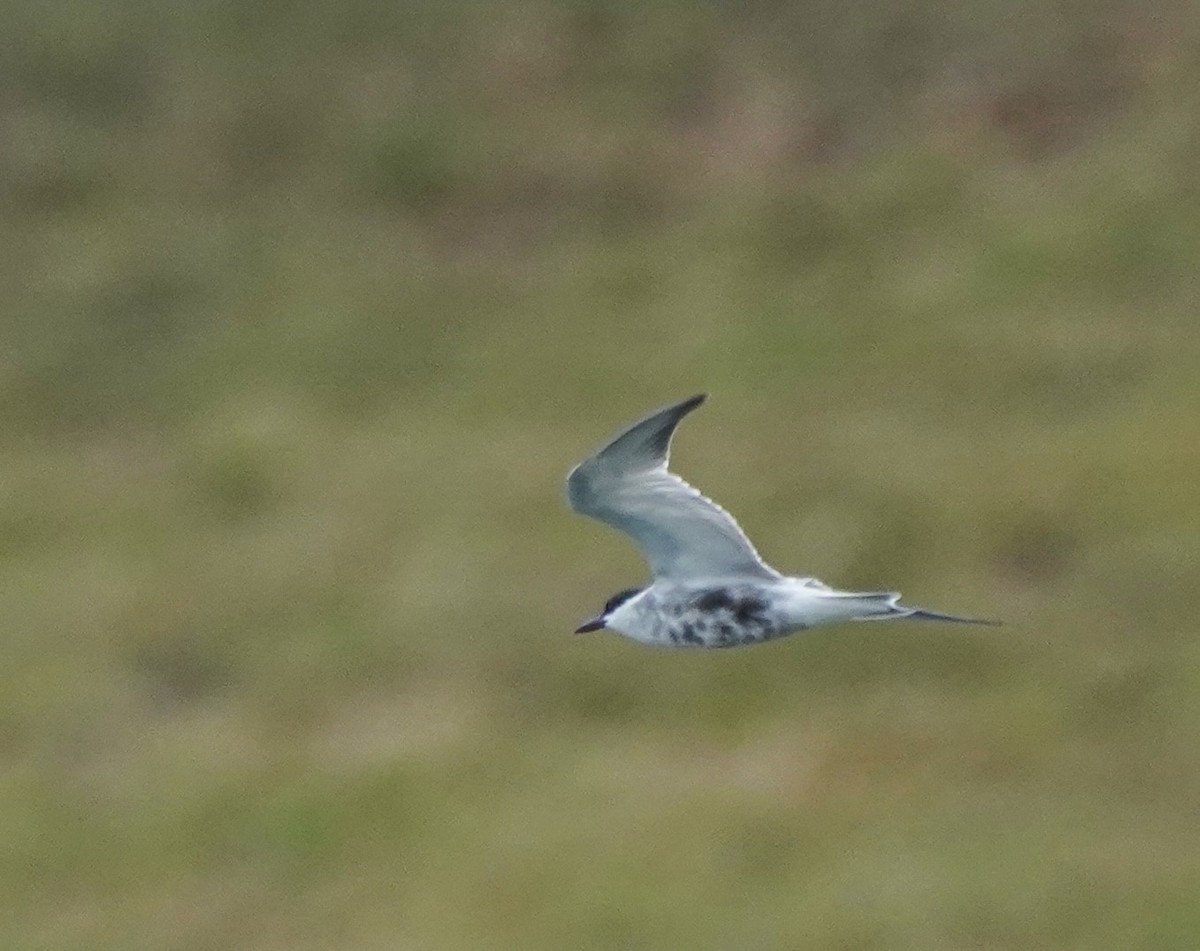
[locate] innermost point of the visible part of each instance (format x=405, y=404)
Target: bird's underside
x=710, y=586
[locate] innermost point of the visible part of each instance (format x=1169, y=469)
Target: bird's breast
x=715, y=616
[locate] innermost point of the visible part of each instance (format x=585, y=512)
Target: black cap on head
x=598, y=623
x=620, y=598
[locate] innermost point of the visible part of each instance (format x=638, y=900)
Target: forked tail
x=904, y=613
x=886, y=606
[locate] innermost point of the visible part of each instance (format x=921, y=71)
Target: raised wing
x=682, y=534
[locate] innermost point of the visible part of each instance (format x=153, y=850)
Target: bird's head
x=600, y=622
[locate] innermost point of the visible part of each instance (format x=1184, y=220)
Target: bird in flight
x=710, y=588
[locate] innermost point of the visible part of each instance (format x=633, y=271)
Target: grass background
x=308, y=309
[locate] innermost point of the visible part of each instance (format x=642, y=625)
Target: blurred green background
x=308, y=308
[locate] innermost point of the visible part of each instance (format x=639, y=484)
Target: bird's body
x=732, y=613
x=710, y=587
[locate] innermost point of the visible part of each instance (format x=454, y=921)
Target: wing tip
x=648, y=436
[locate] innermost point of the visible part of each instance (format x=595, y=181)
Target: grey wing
x=682, y=533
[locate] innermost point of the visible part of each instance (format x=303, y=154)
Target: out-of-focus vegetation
x=307, y=310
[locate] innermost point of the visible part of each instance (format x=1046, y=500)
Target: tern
x=710, y=588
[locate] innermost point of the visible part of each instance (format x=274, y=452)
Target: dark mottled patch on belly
x=689, y=635
x=715, y=600
x=749, y=609
x=727, y=617
x=745, y=608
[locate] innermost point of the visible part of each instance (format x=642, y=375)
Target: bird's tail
x=886, y=606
